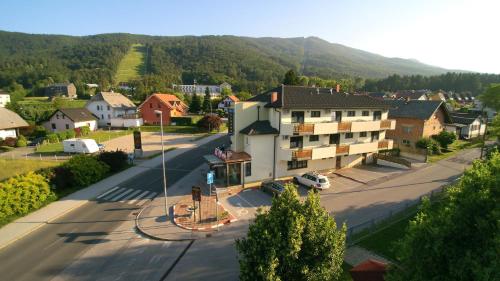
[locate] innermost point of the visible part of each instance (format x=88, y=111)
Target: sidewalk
x=25, y=225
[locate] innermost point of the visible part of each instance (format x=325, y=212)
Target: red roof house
x=369, y=270
x=168, y=104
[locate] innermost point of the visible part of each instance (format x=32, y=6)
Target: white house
x=115, y=110
x=466, y=125
x=227, y=102
x=71, y=118
x=4, y=98
x=10, y=123
x=291, y=130
x=215, y=90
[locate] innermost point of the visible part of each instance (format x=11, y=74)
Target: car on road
x=312, y=180
x=275, y=188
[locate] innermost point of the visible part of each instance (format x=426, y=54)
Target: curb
x=204, y=228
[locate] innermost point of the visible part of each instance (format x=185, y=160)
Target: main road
x=46, y=252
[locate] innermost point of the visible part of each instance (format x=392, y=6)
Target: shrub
x=39, y=132
x=61, y=177
x=182, y=121
x=445, y=138
x=86, y=170
x=52, y=138
x=23, y=193
x=9, y=142
x=210, y=121
x=85, y=130
x=21, y=141
x=70, y=134
x=431, y=145
x=423, y=143
x=62, y=135
x=116, y=160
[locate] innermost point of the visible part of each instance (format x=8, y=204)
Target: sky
x=454, y=34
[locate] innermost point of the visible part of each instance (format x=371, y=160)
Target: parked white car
x=80, y=146
x=313, y=180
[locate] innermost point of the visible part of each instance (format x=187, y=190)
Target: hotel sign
x=230, y=121
x=223, y=155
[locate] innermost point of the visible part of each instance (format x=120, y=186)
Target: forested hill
x=248, y=63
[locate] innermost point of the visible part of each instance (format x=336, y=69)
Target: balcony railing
x=303, y=129
x=302, y=154
x=342, y=149
x=386, y=124
x=130, y=116
x=383, y=144
x=344, y=127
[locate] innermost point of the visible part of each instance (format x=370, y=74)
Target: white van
x=80, y=146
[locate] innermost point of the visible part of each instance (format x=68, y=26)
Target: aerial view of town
x=285, y=140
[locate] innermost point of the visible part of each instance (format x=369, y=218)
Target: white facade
x=59, y=122
x=8, y=133
x=114, y=116
x=4, y=99
x=215, y=90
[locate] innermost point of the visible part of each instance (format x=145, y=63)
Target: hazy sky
x=458, y=34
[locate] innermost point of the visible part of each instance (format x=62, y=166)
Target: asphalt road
x=45, y=253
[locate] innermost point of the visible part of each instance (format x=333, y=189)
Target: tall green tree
x=291, y=78
x=491, y=97
x=458, y=237
x=243, y=95
x=207, y=106
x=195, y=105
x=294, y=240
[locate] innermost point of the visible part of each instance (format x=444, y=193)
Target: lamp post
x=159, y=112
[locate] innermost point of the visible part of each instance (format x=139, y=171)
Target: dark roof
x=411, y=95
x=464, y=118
x=259, y=128
x=419, y=109
x=77, y=114
x=312, y=97
x=376, y=95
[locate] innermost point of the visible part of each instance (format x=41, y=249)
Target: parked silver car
x=312, y=180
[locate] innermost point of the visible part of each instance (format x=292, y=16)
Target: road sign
x=196, y=193
x=210, y=177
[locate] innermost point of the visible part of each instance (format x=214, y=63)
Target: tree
x=210, y=122
x=291, y=78
x=207, y=106
x=445, y=138
x=292, y=241
x=494, y=128
x=243, y=95
x=457, y=237
x=226, y=92
x=491, y=98
x=195, y=105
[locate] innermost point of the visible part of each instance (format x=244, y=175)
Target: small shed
x=369, y=270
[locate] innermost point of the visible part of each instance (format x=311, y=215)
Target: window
x=248, y=169
x=297, y=116
x=406, y=142
x=57, y=116
x=63, y=116
x=375, y=136
x=67, y=126
x=337, y=116
x=314, y=138
x=109, y=107
x=348, y=135
x=377, y=115
x=407, y=129
x=150, y=105
x=366, y=113
x=316, y=113
x=53, y=126
x=109, y=116
x=351, y=113
x=102, y=116
x=295, y=142
x=363, y=135
x=335, y=139
x=292, y=165
x=97, y=107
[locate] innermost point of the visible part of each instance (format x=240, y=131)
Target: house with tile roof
x=114, y=110
x=67, y=90
x=10, y=123
x=466, y=125
x=227, y=102
x=290, y=130
x=170, y=106
x=412, y=95
x=71, y=118
x=416, y=119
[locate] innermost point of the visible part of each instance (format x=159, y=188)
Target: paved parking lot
x=244, y=205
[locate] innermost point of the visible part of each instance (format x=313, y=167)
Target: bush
x=62, y=135
x=423, y=143
x=86, y=170
x=9, y=142
x=70, y=134
x=21, y=141
x=23, y=193
x=431, y=145
x=210, y=121
x=52, y=138
x=39, y=132
x=182, y=121
x=61, y=177
x=445, y=138
x=116, y=160
x=85, y=130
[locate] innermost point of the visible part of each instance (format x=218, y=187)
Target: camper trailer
x=80, y=146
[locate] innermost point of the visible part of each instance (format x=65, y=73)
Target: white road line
x=130, y=195
x=138, y=197
x=147, y=198
x=121, y=195
x=107, y=192
x=118, y=191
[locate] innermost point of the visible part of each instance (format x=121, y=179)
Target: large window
x=366, y=113
x=248, y=169
x=377, y=115
x=296, y=142
x=313, y=138
x=292, y=165
x=349, y=135
x=297, y=116
x=407, y=129
x=362, y=134
x=351, y=113
x=315, y=113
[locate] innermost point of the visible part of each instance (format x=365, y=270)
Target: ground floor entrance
x=229, y=167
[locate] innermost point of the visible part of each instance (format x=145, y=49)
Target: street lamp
x=159, y=112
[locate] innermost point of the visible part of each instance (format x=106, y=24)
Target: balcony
x=385, y=144
x=307, y=153
x=388, y=124
x=344, y=127
x=302, y=129
x=367, y=147
x=302, y=154
x=342, y=149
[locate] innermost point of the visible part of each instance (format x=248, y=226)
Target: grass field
x=20, y=166
x=132, y=65
x=454, y=148
x=43, y=101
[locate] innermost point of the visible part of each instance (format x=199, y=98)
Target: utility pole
x=163, y=162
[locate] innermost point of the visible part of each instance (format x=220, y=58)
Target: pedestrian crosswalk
x=127, y=195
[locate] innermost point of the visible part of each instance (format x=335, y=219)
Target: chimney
x=338, y=88
x=274, y=96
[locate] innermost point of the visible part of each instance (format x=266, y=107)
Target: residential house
x=114, y=110
x=466, y=125
x=10, y=123
x=291, y=130
x=4, y=98
x=416, y=119
x=438, y=96
x=412, y=95
x=215, y=90
x=227, y=102
x=67, y=90
x=71, y=118
x=169, y=105
x=490, y=113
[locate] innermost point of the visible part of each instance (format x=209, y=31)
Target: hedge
x=85, y=170
x=21, y=194
x=116, y=160
x=185, y=120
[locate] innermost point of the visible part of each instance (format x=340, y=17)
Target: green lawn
x=132, y=65
x=454, y=148
x=20, y=166
x=180, y=129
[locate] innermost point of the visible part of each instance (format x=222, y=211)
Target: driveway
x=244, y=205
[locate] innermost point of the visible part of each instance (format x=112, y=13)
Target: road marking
x=130, y=195
x=121, y=195
x=147, y=198
x=138, y=197
x=108, y=192
x=119, y=190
